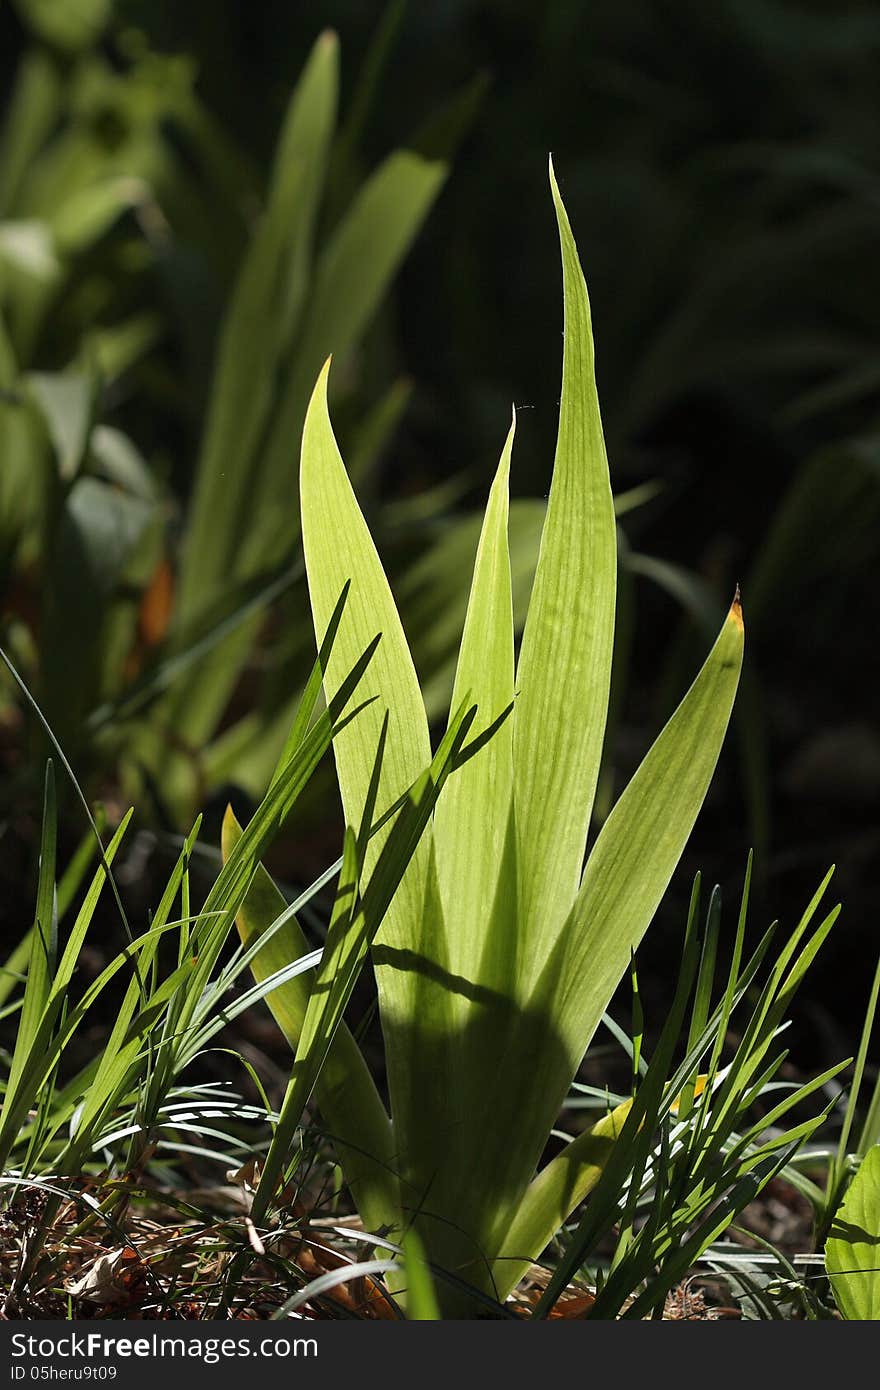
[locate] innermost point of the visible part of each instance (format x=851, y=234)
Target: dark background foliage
x=719, y=164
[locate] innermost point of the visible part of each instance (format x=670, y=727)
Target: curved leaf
x=852, y=1252
x=641, y=843
x=470, y=825
x=330, y=513
x=564, y=671
x=553, y=1195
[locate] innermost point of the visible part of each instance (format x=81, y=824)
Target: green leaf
x=330, y=511
x=640, y=845
x=494, y=966
x=43, y=953
x=352, y=276
x=100, y=530
x=84, y=217
x=27, y=249
x=564, y=671
x=345, y=1090
x=553, y=1195
x=361, y=258
x=358, y=914
x=66, y=401
x=528, y=1070
x=228, y=891
x=38, y=1045
x=227, y=540
x=421, y=1298
x=471, y=823
x=852, y=1252
x=31, y=113
x=262, y=316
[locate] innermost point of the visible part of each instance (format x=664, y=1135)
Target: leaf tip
x=318, y=399
x=230, y=832
x=736, y=613
x=554, y=186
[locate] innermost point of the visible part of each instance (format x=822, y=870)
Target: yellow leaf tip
x=230, y=831
x=736, y=612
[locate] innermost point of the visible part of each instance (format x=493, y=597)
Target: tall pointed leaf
x=471, y=822
x=564, y=669
x=338, y=548
x=641, y=843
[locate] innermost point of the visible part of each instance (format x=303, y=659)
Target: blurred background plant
x=126, y=578
x=720, y=163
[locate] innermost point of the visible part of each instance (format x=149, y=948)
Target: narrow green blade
x=564, y=670
x=43, y=952
x=470, y=825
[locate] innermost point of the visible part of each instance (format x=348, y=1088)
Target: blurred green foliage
x=720, y=161
x=131, y=598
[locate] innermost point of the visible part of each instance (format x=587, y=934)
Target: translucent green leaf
x=525, y=1063
x=553, y=1195
x=470, y=826
x=564, y=669
x=329, y=513
x=852, y=1252
x=358, y=914
x=421, y=1298
x=640, y=845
